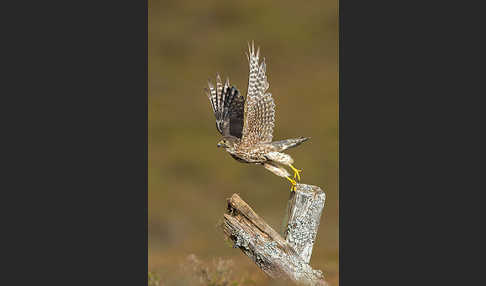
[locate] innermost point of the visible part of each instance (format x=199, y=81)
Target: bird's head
x=228, y=142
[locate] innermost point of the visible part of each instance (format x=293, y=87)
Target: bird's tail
x=289, y=143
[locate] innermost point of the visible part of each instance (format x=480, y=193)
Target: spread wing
x=259, y=107
x=228, y=107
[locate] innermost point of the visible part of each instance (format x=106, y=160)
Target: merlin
x=247, y=125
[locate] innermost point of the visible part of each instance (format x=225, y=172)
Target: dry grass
x=217, y=273
x=189, y=178
x=214, y=272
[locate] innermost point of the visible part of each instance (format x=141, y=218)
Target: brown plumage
x=247, y=125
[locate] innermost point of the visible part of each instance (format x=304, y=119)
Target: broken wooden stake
x=278, y=257
x=304, y=215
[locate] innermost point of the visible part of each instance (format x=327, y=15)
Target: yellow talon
x=293, y=182
x=296, y=172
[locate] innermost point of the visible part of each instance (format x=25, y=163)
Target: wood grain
x=269, y=250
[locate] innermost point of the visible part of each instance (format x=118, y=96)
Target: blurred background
x=189, y=177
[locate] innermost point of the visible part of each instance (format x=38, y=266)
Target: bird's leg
x=296, y=172
x=293, y=182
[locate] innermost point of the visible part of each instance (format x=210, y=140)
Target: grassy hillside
x=189, y=178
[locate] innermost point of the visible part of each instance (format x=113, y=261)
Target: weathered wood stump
x=304, y=215
x=278, y=257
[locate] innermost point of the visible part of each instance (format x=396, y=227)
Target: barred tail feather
x=289, y=143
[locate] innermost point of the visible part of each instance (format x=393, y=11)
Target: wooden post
x=304, y=214
x=277, y=257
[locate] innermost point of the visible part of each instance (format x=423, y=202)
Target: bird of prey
x=247, y=125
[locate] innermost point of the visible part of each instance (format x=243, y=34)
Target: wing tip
x=210, y=84
x=251, y=50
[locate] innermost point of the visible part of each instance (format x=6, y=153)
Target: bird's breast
x=247, y=158
x=238, y=158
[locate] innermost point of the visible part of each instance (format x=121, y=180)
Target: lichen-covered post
x=304, y=214
x=270, y=252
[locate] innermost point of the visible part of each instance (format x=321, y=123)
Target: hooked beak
x=219, y=144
